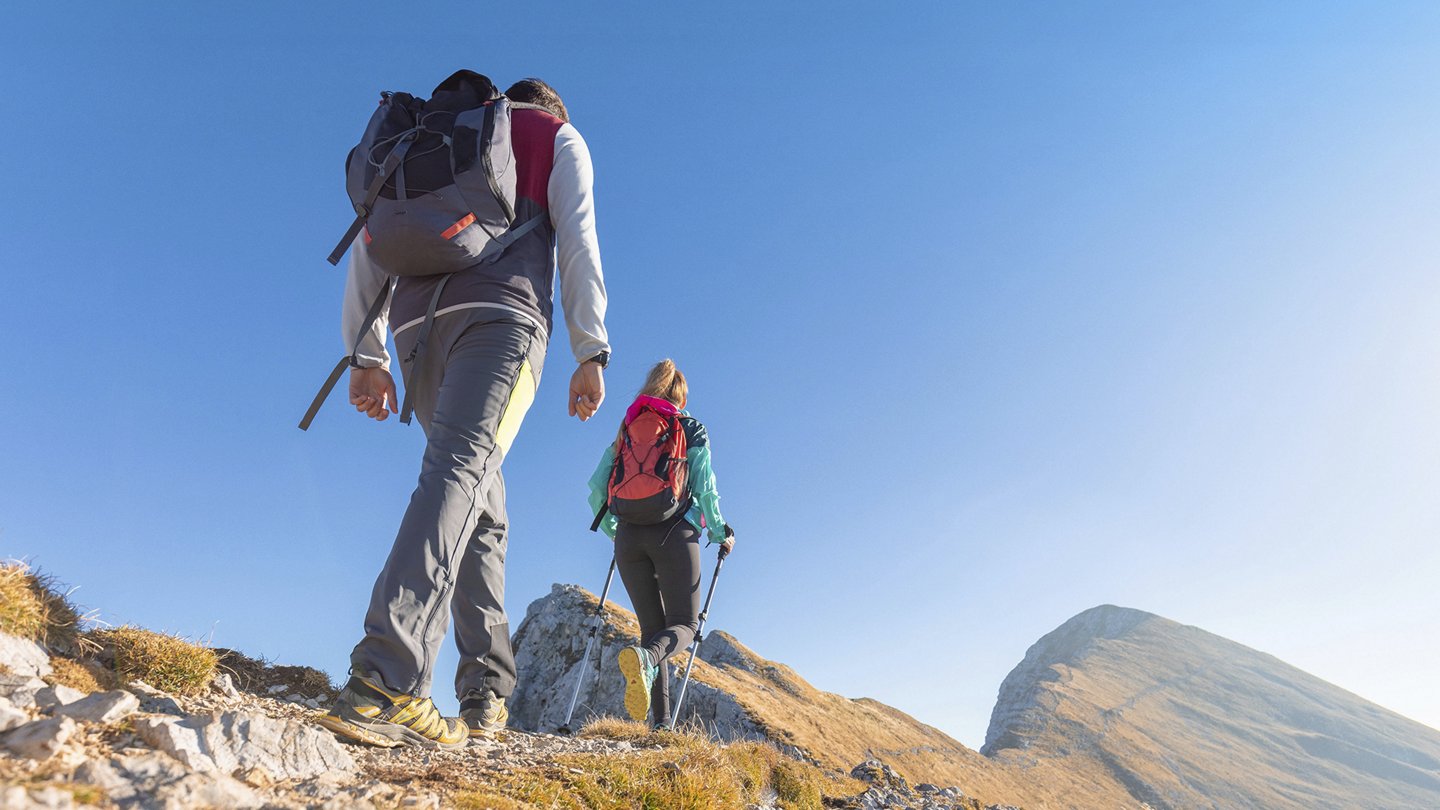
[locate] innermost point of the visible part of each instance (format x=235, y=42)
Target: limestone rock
x=102, y=774
x=102, y=707
x=225, y=742
x=48, y=797
x=548, y=647
x=722, y=649
x=23, y=657
x=40, y=739
x=52, y=697
x=21, y=690
x=10, y=717
x=225, y=685
x=154, y=700
x=162, y=782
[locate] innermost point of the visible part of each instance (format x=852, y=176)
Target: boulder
x=154, y=700
x=23, y=657
x=101, y=707
x=48, y=797
x=21, y=690
x=102, y=774
x=40, y=739
x=224, y=684
x=162, y=782
x=55, y=696
x=227, y=742
x=549, y=645
x=10, y=717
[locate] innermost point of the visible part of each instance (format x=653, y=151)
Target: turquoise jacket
x=704, y=513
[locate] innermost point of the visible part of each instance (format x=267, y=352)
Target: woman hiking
x=654, y=493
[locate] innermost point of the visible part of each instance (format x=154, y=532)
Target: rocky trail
x=139, y=747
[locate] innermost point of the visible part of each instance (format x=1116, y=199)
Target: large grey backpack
x=433, y=187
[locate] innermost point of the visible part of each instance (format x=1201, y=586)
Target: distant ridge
x=1183, y=718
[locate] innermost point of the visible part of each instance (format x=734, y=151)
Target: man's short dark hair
x=534, y=91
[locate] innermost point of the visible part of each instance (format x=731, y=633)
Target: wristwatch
x=602, y=359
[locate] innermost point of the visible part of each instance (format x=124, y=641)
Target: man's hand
x=372, y=392
x=587, y=390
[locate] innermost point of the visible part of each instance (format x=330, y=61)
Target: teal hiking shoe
x=484, y=713
x=639, y=672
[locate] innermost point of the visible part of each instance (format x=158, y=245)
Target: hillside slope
x=739, y=695
x=1180, y=717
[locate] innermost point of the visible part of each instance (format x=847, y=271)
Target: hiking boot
x=639, y=672
x=366, y=712
x=484, y=712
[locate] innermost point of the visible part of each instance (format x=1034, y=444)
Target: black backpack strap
x=362, y=210
x=349, y=359
x=417, y=354
x=599, y=516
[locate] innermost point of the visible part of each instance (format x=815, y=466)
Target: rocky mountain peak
x=1167, y=712
x=1061, y=647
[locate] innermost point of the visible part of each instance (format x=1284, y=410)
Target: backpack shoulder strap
x=349, y=359
x=362, y=209
x=695, y=435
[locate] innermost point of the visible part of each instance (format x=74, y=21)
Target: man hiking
x=474, y=342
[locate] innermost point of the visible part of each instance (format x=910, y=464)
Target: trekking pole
x=585, y=660
x=699, y=636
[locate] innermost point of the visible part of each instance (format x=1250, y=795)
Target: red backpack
x=650, y=482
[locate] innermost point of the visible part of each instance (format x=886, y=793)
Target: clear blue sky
x=995, y=312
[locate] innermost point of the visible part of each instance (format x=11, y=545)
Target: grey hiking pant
x=660, y=566
x=477, y=377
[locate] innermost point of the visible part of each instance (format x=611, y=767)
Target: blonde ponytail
x=666, y=382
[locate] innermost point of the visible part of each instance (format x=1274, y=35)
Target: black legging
x=660, y=566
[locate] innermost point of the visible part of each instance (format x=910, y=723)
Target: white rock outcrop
x=548, y=647
x=38, y=739
x=101, y=707
x=227, y=742
x=23, y=657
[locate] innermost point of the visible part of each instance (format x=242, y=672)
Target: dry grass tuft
x=87, y=676
x=257, y=676
x=165, y=662
x=85, y=794
x=614, y=728
x=487, y=800
x=21, y=613
x=797, y=786
x=33, y=606
x=686, y=771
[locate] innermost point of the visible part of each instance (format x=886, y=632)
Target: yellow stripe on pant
x=521, y=397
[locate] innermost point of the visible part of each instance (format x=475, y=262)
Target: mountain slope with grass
x=1180, y=717
x=129, y=718
x=1116, y=708
x=738, y=695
